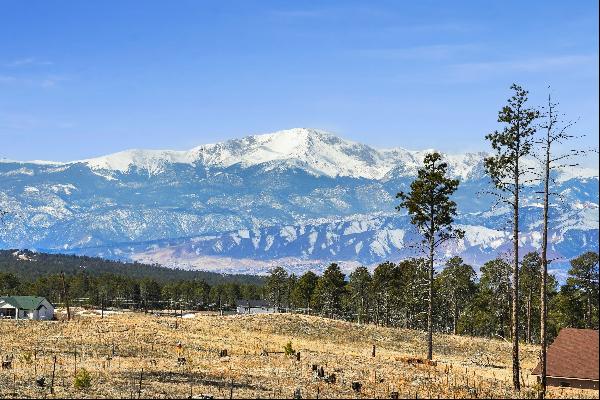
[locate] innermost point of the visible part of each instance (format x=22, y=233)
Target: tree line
x=97, y=282
x=395, y=295
x=120, y=291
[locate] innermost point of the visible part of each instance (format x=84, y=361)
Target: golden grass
x=121, y=348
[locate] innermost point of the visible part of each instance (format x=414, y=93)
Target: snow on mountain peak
x=150, y=160
x=316, y=151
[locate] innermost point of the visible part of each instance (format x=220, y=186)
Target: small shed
x=26, y=307
x=254, y=307
x=572, y=359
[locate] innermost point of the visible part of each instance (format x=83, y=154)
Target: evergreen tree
x=556, y=133
x=432, y=213
x=303, y=290
x=277, y=287
x=292, y=281
x=9, y=284
x=504, y=167
x=584, y=276
x=489, y=313
x=567, y=309
x=330, y=289
x=412, y=293
x=456, y=284
x=359, y=288
x=386, y=287
x=150, y=293
x=530, y=288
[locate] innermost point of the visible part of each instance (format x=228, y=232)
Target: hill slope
x=121, y=348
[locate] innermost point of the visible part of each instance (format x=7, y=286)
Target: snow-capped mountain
x=299, y=197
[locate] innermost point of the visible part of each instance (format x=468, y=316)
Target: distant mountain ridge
x=303, y=197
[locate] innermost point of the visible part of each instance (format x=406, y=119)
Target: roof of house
x=24, y=302
x=252, y=303
x=573, y=354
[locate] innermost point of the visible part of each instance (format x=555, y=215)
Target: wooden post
x=140, y=383
x=231, y=389
x=373, y=351
x=53, y=370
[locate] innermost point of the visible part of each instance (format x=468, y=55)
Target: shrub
x=289, y=351
x=26, y=357
x=83, y=379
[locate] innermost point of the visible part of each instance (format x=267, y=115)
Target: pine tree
x=457, y=285
x=386, y=284
x=329, y=291
x=529, y=275
x=584, y=276
x=511, y=145
x=359, y=288
x=303, y=290
x=432, y=213
x=413, y=291
x=555, y=133
x=495, y=287
x=277, y=287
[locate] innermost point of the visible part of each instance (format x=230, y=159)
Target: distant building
x=572, y=359
x=26, y=307
x=254, y=307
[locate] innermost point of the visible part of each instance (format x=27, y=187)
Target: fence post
x=53, y=370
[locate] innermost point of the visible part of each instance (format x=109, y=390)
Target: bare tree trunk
x=544, y=256
x=515, y=288
x=65, y=295
x=589, y=310
x=508, y=306
x=430, y=306
x=455, y=316
x=529, y=317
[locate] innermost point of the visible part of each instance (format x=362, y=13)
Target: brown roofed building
x=572, y=359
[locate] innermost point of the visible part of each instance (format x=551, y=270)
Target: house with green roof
x=26, y=307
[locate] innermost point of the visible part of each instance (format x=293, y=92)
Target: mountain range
x=300, y=198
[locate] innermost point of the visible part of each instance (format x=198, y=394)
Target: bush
x=83, y=379
x=289, y=351
x=27, y=358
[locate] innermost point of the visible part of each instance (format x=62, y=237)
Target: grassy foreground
x=132, y=355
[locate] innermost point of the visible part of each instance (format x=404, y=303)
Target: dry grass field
x=135, y=355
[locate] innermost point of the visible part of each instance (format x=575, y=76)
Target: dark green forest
x=95, y=281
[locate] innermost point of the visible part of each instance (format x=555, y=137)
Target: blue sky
x=80, y=79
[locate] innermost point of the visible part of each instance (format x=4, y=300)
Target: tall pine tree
x=511, y=145
x=432, y=213
x=556, y=132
